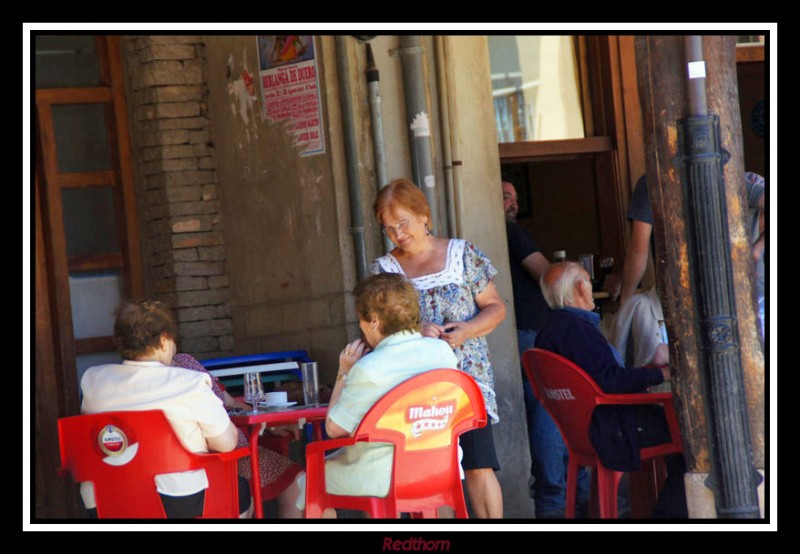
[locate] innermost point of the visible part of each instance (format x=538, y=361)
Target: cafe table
x=251, y=423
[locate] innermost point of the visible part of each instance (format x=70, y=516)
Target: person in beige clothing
x=145, y=334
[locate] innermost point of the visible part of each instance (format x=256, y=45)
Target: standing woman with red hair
x=460, y=305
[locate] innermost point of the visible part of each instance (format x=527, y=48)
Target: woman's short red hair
x=401, y=193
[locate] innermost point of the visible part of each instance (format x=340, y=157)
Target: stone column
x=184, y=255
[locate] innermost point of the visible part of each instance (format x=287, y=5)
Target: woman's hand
x=351, y=354
x=455, y=333
x=431, y=330
x=231, y=403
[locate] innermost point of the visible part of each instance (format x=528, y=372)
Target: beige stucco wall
x=286, y=268
x=287, y=218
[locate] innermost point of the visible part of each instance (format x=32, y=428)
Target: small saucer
x=281, y=405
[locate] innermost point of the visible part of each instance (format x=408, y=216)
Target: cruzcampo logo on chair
x=116, y=446
x=425, y=415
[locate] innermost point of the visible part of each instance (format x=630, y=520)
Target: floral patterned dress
x=449, y=296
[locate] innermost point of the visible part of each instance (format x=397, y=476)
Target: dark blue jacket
x=575, y=335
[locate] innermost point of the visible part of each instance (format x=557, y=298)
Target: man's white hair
x=558, y=293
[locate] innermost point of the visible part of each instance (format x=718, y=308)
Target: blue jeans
x=549, y=455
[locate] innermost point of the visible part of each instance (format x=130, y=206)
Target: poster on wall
x=290, y=85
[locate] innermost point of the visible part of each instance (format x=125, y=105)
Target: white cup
x=275, y=398
x=310, y=383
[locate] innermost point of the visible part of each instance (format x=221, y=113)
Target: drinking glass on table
x=310, y=378
x=253, y=389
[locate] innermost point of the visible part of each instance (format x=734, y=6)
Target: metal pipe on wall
x=447, y=157
x=351, y=151
x=418, y=117
x=695, y=65
x=453, y=134
x=378, y=145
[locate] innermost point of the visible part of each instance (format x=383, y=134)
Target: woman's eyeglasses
x=394, y=229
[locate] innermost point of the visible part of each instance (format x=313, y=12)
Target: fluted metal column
x=700, y=160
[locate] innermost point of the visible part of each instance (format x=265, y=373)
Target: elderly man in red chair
x=617, y=432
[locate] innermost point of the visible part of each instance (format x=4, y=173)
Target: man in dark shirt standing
x=548, y=451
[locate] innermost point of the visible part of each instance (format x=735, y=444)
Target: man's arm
x=756, y=187
x=536, y=265
x=758, y=245
x=635, y=259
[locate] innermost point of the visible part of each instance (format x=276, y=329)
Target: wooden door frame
x=111, y=93
x=614, y=141
x=56, y=391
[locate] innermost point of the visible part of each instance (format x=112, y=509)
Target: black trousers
x=188, y=507
x=653, y=430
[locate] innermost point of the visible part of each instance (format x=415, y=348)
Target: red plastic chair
x=570, y=396
x=122, y=452
x=423, y=418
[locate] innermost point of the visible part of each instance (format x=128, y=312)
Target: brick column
x=180, y=216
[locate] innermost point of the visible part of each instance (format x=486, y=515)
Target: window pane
x=81, y=138
x=89, y=221
x=66, y=61
x=535, y=87
x=749, y=39
x=94, y=297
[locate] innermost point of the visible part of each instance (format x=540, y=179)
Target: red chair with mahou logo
x=570, y=396
x=423, y=418
x=122, y=452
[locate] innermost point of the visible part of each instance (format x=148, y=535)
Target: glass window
x=536, y=88
x=89, y=221
x=66, y=61
x=81, y=137
x=94, y=297
x=749, y=39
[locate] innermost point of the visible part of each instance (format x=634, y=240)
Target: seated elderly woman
x=391, y=351
x=145, y=333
